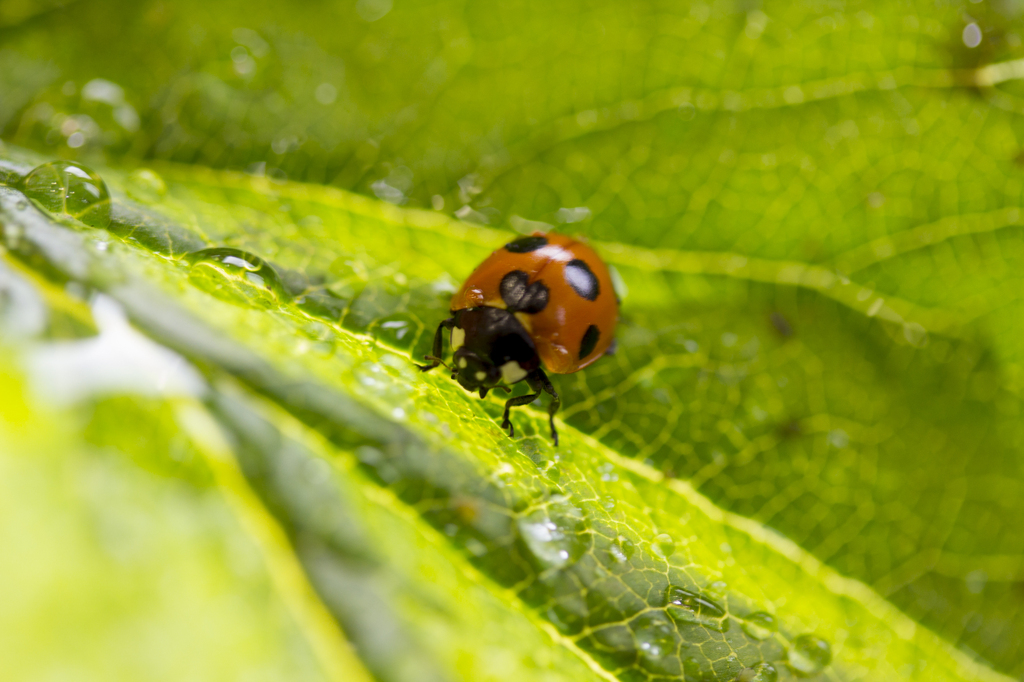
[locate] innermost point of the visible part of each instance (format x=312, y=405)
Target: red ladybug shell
x=577, y=325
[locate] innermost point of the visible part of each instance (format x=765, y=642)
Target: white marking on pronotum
x=463, y=363
x=480, y=376
x=512, y=372
x=458, y=338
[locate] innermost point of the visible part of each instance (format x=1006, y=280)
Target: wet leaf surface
x=805, y=453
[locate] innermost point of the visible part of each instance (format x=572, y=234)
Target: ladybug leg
x=539, y=381
x=513, y=402
x=438, y=350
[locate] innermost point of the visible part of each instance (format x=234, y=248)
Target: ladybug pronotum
x=545, y=299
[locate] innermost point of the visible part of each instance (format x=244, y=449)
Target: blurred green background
x=814, y=208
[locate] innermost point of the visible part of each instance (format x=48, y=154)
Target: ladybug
x=546, y=299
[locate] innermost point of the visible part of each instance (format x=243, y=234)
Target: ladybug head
x=473, y=372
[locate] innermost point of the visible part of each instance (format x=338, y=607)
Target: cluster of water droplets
x=71, y=189
x=555, y=535
x=235, y=275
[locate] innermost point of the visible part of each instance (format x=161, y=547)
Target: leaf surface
x=815, y=212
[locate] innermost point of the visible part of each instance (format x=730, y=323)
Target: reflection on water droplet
x=760, y=625
x=236, y=276
x=663, y=545
x=717, y=588
x=69, y=188
x=656, y=638
x=971, y=35
x=622, y=549
x=690, y=607
x=809, y=655
x=553, y=536
x=146, y=185
x=21, y=205
x=762, y=672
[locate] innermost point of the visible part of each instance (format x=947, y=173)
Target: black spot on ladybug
x=522, y=297
x=526, y=244
x=582, y=280
x=589, y=341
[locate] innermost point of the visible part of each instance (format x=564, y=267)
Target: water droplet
x=236, y=276
x=554, y=536
x=691, y=607
x=663, y=545
x=760, y=625
x=809, y=655
x=621, y=550
x=21, y=205
x=717, y=588
x=69, y=188
x=691, y=668
x=657, y=639
x=146, y=185
x=608, y=502
x=397, y=330
x=762, y=672
x=325, y=94
x=971, y=35
x=324, y=303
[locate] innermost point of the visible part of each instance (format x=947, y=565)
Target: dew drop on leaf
x=656, y=639
x=69, y=188
x=691, y=607
x=691, y=667
x=552, y=540
x=717, y=588
x=146, y=185
x=663, y=545
x=762, y=672
x=621, y=550
x=235, y=276
x=809, y=655
x=760, y=625
x=398, y=330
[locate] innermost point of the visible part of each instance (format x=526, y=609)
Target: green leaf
x=813, y=413
x=633, y=573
